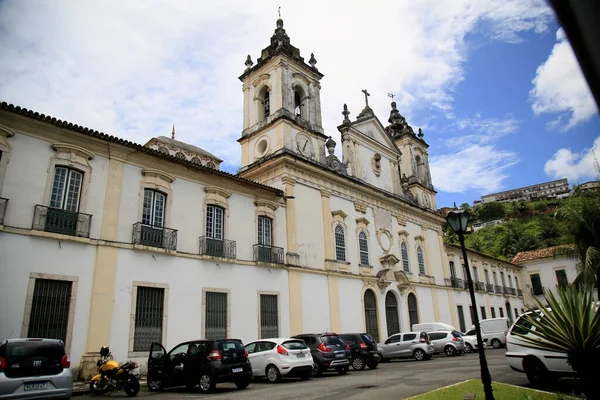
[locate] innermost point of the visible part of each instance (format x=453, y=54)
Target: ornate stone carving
x=376, y=164
x=384, y=238
x=332, y=161
x=360, y=207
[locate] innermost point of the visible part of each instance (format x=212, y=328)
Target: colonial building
x=541, y=191
x=104, y=241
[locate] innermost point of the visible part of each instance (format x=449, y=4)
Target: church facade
x=107, y=242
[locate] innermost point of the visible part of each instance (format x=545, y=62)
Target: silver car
x=34, y=369
x=406, y=344
x=449, y=342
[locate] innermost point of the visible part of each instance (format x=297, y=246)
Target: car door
x=177, y=360
x=254, y=357
x=258, y=359
x=437, y=341
x=404, y=347
x=390, y=348
x=158, y=363
x=195, y=362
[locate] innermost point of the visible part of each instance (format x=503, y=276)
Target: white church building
x=108, y=242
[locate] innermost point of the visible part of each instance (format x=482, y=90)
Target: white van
x=493, y=331
x=432, y=326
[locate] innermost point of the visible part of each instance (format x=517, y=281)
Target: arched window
x=404, y=251
x=413, y=310
x=502, y=279
x=421, y=260
x=297, y=104
x=340, y=244
x=300, y=102
x=264, y=103
x=363, y=247
x=420, y=172
x=371, y=314
x=391, y=314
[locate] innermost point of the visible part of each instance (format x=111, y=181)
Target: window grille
x=267, y=104
x=340, y=244
x=404, y=251
x=215, y=326
x=487, y=276
x=66, y=189
x=371, y=315
x=148, y=317
x=363, y=246
x=391, y=314
x=49, y=316
x=421, y=260
x=413, y=310
x=269, y=316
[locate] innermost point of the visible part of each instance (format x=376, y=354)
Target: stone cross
x=366, y=96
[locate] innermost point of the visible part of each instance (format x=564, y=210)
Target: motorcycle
x=112, y=376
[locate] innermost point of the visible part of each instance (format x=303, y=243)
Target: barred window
x=363, y=246
x=153, y=212
x=404, y=251
x=340, y=244
x=214, y=222
x=148, y=317
x=49, y=316
x=264, y=231
x=66, y=189
x=421, y=260
x=215, y=325
x=269, y=316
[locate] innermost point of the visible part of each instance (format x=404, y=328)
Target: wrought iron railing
x=65, y=222
x=519, y=292
x=505, y=290
x=489, y=288
x=3, y=203
x=498, y=289
x=480, y=286
x=458, y=283
x=154, y=236
x=513, y=291
x=269, y=254
x=217, y=247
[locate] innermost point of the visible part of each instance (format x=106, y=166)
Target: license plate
x=339, y=355
x=36, y=386
x=234, y=370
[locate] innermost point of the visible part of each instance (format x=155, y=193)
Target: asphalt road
x=395, y=380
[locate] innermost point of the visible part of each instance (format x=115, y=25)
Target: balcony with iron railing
x=513, y=291
x=489, y=288
x=519, y=292
x=458, y=283
x=505, y=290
x=3, y=203
x=268, y=254
x=217, y=247
x=480, y=286
x=154, y=236
x=60, y=221
x=498, y=289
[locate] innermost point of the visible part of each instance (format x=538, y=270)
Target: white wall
x=547, y=269
x=309, y=226
x=130, y=202
x=21, y=255
x=425, y=302
x=351, y=307
x=315, y=303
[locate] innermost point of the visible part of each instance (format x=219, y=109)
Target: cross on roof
x=366, y=96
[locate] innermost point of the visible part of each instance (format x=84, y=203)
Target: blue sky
x=493, y=83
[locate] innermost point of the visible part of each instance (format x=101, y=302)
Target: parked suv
x=363, y=349
x=407, y=344
x=328, y=351
x=34, y=369
x=200, y=362
x=539, y=365
x=449, y=342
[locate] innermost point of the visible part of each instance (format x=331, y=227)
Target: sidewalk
x=83, y=388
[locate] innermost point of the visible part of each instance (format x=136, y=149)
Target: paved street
x=395, y=380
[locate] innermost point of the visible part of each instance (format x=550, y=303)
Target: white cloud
x=132, y=70
x=560, y=87
x=481, y=130
x=576, y=167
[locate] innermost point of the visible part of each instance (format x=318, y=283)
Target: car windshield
x=368, y=339
x=331, y=340
x=230, y=345
x=23, y=352
x=294, y=345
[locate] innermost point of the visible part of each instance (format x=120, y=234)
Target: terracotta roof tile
x=540, y=253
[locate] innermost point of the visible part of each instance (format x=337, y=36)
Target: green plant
x=570, y=323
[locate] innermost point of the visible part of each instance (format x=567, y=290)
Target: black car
x=199, y=362
x=328, y=351
x=363, y=349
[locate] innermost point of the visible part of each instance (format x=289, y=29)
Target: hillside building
x=542, y=191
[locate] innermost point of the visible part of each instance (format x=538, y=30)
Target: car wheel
x=450, y=351
x=372, y=364
x=273, y=374
x=419, y=355
x=383, y=360
x=468, y=348
x=316, y=370
x=155, y=385
x=536, y=372
x=242, y=383
x=206, y=383
x=358, y=363
x=496, y=344
x=343, y=370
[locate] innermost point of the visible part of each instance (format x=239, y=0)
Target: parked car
x=200, y=362
x=449, y=342
x=279, y=357
x=470, y=339
x=34, y=369
x=494, y=330
x=407, y=344
x=363, y=349
x=329, y=351
x=432, y=326
x=539, y=365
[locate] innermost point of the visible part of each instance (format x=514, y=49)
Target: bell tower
x=282, y=103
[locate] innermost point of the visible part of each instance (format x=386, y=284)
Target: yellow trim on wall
x=327, y=221
x=295, y=291
x=290, y=214
x=436, y=305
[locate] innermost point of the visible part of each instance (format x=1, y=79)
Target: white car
x=539, y=365
x=279, y=357
x=470, y=339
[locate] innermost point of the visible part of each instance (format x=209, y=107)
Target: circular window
x=262, y=147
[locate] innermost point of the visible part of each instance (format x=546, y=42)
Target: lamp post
x=457, y=219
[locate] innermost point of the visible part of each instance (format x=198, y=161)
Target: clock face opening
x=304, y=145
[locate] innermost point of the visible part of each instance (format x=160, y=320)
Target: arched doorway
x=413, y=310
x=391, y=314
x=371, y=315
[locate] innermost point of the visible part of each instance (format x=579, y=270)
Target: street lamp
x=457, y=219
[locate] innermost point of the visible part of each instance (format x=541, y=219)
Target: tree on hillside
x=549, y=231
x=490, y=211
x=581, y=214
